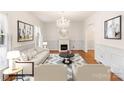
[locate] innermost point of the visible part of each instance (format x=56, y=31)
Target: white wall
x=108, y=51
x=99, y=19
x=12, y=21
x=113, y=43
x=75, y=33
x=89, y=36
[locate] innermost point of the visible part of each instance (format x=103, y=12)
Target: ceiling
x=52, y=16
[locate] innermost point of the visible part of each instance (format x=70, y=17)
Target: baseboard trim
x=54, y=51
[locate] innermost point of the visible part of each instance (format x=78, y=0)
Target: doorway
x=90, y=37
x=90, y=41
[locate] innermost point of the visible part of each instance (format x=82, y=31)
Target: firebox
x=64, y=47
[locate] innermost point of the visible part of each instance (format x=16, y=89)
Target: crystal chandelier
x=63, y=22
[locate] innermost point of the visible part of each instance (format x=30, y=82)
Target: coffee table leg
x=19, y=75
x=22, y=75
x=16, y=77
x=3, y=77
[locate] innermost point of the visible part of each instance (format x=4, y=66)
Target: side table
x=14, y=72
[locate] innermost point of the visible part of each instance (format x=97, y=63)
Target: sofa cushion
x=36, y=60
x=39, y=49
x=28, y=55
x=40, y=58
x=23, y=57
x=31, y=53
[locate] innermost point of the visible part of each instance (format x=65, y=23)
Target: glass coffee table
x=66, y=57
x=67, y=60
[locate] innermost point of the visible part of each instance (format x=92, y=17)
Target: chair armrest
x=24, y=62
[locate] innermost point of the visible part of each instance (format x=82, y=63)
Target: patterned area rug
x=77, y=60
x=56, y=59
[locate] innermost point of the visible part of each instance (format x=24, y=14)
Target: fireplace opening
x=64, y=47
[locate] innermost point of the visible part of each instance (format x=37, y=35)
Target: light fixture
x=44, y=44
x=62, y=22
x=12, y=56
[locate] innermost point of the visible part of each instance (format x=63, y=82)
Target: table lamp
x=12, y=56
x=44, y=44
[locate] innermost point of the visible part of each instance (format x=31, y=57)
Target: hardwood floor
x=90, y=59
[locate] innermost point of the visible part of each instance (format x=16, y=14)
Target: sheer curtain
x=4, y=46
x=38, y=37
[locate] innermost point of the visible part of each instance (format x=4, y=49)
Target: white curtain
x=38, y=37
x=4, y=47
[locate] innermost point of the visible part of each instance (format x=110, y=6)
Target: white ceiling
x=52, y=16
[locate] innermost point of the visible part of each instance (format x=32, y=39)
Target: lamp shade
x=44, y=43
x=13, y=54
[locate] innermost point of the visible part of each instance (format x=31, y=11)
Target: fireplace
x=64, y=47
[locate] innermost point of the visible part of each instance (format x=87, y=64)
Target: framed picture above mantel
x=25, y=31
x=112, y=28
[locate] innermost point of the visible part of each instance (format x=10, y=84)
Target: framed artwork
x=25, y=31
x=112, y=28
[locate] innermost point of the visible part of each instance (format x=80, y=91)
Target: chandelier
x=63, y=22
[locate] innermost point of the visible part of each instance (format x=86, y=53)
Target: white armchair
x=50, y=72
x=92, y=72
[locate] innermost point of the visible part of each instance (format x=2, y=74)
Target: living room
x=93, y=61
x=83, y=34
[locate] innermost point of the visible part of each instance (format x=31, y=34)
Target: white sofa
x=36, y=55
x=92, y=72
x=50, y=72
x=41, y=55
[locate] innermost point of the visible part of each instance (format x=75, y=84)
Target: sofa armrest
x=23, y=63
x=93, y=72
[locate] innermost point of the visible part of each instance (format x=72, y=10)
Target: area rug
x=77, y=60
x=56, y=59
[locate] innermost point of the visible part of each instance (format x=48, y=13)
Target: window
x=3, y=40
x=38, y=37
